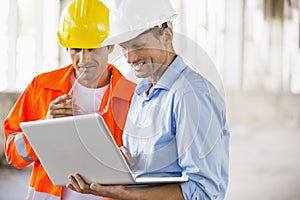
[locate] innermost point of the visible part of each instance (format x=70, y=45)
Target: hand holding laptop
x=127, y=155
x=77, y=183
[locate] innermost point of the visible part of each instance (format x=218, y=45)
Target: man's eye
x=136, y=47
x=75, y=49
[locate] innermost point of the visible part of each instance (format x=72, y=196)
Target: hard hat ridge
x=129, y=18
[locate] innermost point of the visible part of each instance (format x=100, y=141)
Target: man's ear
x=110, y=47
x=168, y=35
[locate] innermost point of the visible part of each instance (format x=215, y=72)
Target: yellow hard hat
x=83, y=24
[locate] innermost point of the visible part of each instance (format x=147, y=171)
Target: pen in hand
x=75, y=82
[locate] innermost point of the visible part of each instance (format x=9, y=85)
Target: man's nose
x=131, y=57
x=83, y=55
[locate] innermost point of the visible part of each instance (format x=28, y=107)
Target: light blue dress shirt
x=179, y=129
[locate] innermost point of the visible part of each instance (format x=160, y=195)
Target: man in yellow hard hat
x=176, y=124
x=88, y=85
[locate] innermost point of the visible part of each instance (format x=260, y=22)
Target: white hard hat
x=129, y=18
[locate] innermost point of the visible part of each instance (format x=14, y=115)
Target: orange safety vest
x=33, y=105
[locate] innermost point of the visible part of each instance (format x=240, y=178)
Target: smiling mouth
x=138, y=67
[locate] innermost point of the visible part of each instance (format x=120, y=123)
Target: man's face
x=147, y=54
x=92, y=62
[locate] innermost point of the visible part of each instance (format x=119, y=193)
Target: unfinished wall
x=246, y=110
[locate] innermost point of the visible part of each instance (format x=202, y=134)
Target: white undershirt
x=89, y=100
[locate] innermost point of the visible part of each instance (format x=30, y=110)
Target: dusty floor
x=265, y=165
x=13, y=183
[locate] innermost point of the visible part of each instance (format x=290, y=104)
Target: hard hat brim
x=129, y=35
x=124, y=37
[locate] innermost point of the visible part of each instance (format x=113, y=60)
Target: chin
x=138, y=75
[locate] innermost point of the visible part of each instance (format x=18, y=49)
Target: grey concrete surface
x=13, y=183
x=264, y=165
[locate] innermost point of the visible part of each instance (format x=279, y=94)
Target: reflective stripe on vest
x=34, y=195
x=10, y=138
x=21, y=147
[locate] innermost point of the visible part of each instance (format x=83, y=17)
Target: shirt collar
x=57, y=79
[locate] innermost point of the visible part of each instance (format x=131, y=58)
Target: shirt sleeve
x=202, y=143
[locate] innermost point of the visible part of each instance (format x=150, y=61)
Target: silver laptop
x=82, y=144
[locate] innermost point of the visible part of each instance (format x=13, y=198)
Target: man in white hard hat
x=176, y=124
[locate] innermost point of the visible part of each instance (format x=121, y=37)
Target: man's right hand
x=62, y=106
x=131, y=161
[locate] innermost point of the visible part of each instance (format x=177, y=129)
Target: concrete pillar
x=233, y=44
